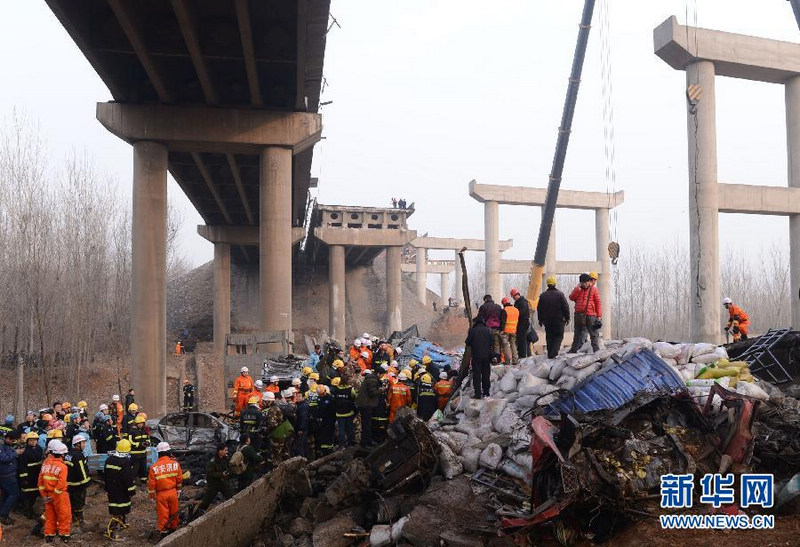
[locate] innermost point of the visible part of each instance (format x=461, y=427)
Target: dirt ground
x=142, y=520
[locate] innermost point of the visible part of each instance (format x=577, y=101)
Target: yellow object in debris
x=713, y=373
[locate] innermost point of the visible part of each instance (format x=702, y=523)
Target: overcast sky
x=429, y=94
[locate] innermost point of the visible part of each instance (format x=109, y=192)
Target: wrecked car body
x=192, y=431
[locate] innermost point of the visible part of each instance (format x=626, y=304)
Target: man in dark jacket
x=106, y=436
x=218, y=476
x=120, y=484
x=9, y=485
x=77, y=478
x=302, y=424
x=250, y=422
x=523, y=325
x=480, y=341
x=29, y=465
x=491, y=313
x=367, y=402
x=252, y=458
x=553, y=311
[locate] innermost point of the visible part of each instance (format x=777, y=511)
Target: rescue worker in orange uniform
x=362, y=361
x=399, y=395
x=178, y=348
x=509, y=319
x=355, y=349
x=257, y=392
x=443, y=389
x=53, y=489
x=739, y=321
x=117, y=412
x=273, y=386
x=164, y=480
x=242, y=387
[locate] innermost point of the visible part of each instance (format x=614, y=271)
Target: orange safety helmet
x=505, y=301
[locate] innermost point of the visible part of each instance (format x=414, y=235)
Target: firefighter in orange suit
x=739, y=321
x=53, y=488
x=443, y=389
x=242, y=387
x=163, y=482
x=399, y=395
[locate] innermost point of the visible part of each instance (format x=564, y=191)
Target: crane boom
x=549, y=209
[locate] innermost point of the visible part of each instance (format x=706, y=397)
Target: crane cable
x=608, y=128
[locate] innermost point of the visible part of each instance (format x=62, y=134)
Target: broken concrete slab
x=331, y=533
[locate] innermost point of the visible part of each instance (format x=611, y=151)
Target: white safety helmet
x=245, y=369
x=269, y=396
x=103, y=407
x=443, y=376
x=726, y=300
x=384, y=367
x=274, y=379
x=296, y=381
x=365, y=336
x=78, y=439
x=394, y=364
x=288, y=392
x=163, y=447
x=259, y=383
x=115, y=398
x=357, y=342
x=402, y=376
x=364, y=354
x=57, y=447
x=368, y=343
x=398, y=351
x=367, y=371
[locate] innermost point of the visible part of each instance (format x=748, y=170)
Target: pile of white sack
x=480, y=438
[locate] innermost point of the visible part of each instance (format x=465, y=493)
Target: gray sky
x=429, y=94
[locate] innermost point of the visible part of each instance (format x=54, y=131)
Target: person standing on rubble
x=53, y=489
x=218, y=477
x=302, y=425
x=242, y=387
x=367, y=402
x=380, y=414
x=443, y=389
x=399, y=395
x=164, y=481
x=738, y=322
x=250, y=421
x=490, y=313
x=28, y=467
x=77, y=478
x=588, y=312
x=553, y=311
x=426, y=397
x=326, y=420
x=120, y=485
x=480, y=341
x=509, y=320
x=188, y=395
x=344, y=398
x=523, y=323
x=140, y=441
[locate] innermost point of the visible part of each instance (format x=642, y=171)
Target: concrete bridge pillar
x=394, y=313
x=604, y=278
x=492, y=241
x=336, y=281
x=422, y=275
x=793, y=145
x=458, y=293
x=705, y=300
x=275, y=235
x=222, y=296
x=445, y=288
x=148, y=277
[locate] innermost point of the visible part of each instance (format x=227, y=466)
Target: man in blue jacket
x=9, y=484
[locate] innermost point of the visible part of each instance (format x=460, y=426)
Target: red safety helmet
x=505, y=301
x=514, y=291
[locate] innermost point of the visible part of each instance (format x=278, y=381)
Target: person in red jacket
x=588, y=311
x=53, y=488
x=163, y=482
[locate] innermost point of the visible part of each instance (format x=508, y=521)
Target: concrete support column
x=445, y=288
x=491, y=234
x=604, y=281
x=422, y=275
x=793, y=145
x=336, y=281
x=222, y=296
x=394, y=304
x=148, y=277
x=705, y=304
x=275, y=235
x=550, y=258
x=458, y=294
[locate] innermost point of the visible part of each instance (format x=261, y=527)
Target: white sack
x=507, y=421
x=508, y=383
x=449, y=462
x=491, y=456
x=665, y=350
x=469, y=459
x=751, y=390
x=702, y=348
x=706, y=358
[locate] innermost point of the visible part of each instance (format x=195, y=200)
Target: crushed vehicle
x=192, y=431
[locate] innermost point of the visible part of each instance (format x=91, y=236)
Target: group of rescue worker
x=46, y=456
x=337, y=395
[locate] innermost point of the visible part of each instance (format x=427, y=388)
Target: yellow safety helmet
x=408, y=373
x=143, y=415
x=314, y=376
x=412, y=363
x=31, y=435
x=132, y=407
x=82, y=404
x=551, y=280
x=123, y=445
x=336, y=381
x=139, y=419
x=593, y=275
x=338, y=363
x=426, y=378
x=427, y=360
x=307, y=371
x=55, y=434
x=252, y=400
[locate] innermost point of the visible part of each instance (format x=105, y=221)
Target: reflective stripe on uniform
x=127, y=504
x=114, y=467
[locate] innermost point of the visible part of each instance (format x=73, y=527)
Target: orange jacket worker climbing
x=164, y=480
x=739, y=321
